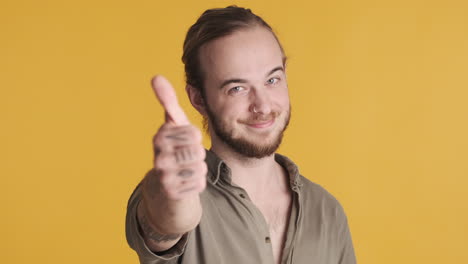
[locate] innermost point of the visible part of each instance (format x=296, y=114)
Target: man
x=239, y=202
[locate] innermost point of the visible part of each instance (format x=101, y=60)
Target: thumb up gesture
x=179, y=153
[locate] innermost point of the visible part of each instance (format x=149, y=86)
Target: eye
x=273, y=80
x=235, y=90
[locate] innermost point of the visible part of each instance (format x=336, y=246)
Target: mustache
x=260, y=117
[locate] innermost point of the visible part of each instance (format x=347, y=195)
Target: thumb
x=168, y=99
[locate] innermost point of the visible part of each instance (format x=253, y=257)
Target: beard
x=241, y=145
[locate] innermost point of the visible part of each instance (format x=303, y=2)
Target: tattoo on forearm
x=185, y=173
x=178, y=136
x=153, y=235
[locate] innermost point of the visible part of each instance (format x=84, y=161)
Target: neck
x=253, y=174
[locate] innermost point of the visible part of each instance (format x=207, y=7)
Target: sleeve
x=347, y=253
x=137, y=243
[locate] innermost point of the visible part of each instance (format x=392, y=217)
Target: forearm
x=155, y=240
x=162, y=223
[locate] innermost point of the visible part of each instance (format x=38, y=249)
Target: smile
x=263, y=124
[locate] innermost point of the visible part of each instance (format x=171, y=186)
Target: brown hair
x=213, y=24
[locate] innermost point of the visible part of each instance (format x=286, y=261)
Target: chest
x=276, y=215
x=276, y=211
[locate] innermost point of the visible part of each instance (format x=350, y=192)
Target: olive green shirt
x=232, y=229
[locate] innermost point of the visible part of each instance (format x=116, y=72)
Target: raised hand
x=179, y=153
x=171, y=204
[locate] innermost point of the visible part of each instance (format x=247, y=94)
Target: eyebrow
x=229, y=81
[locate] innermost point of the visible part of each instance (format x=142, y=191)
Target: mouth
x=262, y=124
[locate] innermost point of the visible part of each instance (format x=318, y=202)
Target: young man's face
x=246, y=93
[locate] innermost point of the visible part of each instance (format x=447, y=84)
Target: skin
x=246, y=90
x=254, y=60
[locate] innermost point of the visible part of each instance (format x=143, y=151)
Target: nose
x=261, y=103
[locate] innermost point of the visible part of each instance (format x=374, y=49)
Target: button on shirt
x=232, y=229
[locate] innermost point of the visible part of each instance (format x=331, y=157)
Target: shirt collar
x=217, y=169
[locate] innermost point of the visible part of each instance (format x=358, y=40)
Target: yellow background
x=379, y=93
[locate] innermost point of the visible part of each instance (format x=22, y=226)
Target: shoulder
x=312, y=189
x=316, y=199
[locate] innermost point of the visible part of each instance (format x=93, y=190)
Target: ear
x=196, y=99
